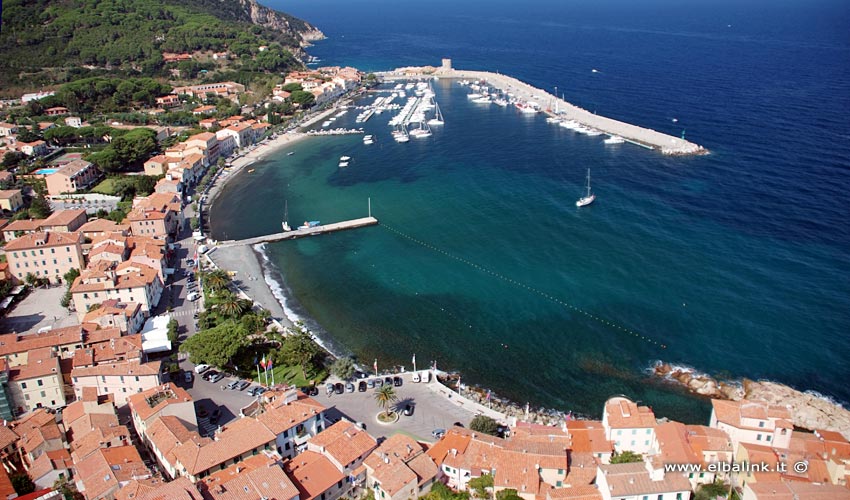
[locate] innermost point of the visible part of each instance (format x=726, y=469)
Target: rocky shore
x=809, y=411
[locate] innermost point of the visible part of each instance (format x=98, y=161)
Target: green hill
x=45, y=42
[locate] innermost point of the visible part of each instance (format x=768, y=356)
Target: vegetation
x=343, y=368
x=626, y=457
x=485, y=424
x=508, y=494
x=480, y=484
x=22, y=483
x=385, y=396
x=127, y=187
x=440, y=491
x=217, y=345
x=300, y=349
x=125, y=152
x=69, y=278
x=39, y=207
x=173, y=330
x=303, y=98
x=48, y=42
x=712, y=491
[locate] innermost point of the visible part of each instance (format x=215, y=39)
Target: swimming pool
x=45, y=171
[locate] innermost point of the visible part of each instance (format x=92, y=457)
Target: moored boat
x=589, y=198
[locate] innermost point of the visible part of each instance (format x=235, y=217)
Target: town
x=106, y=271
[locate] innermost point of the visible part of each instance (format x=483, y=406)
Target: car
x=339, y=388
x=378, y=383
x=193, y=296
x=233, y=385
x=187, y=376
x=349, y=387
x=361, y=386
x=388, y=381
x=216, y=414
x=415, y=378
x=397, y=381
x=370, y=384
x=199, y=369
x=438, y=433
x=190, y=263
x=252, y=391
x=215, y=378
x=210, y=374
x=329, y=388
x=408, y=409
x=195, y=315
x=260, y=390
x=191, y=278
x=310, y=390
x=244, y=385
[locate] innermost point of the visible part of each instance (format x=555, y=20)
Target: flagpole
x=259, y=378
x=414, y=362
x=458, y=385
x=375, y=366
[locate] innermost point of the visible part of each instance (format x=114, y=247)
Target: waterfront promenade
x=651, y=139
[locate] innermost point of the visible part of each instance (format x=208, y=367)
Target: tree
x=173, y=330
x=31, y=279
x=343, y=368
x=292, y=87
x=68, y=489
x=440, y=491
x=216, y=346
x=386, y=396
x=229, y=304
x=216, y=280
x=480, y=484
x=22, y=483
x=712, y=491
x=303, y=98
x=40, y=208
x=65, y=301
x=70, y=276
x=485, y=424
x=13, y=159
x=508, y=494
x=626, y=457
x=300, y=349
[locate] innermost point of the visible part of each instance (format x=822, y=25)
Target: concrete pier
x=651, y=139
x=298, y=233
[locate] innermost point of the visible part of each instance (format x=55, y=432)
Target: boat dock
x=648, y=138
x=298, y=233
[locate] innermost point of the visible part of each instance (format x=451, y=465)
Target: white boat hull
x=587, y=200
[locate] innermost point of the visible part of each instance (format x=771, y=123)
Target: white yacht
x=473, y=96
x=438, y=116
x=614, y=139
x=368, y=139
x=586, y=200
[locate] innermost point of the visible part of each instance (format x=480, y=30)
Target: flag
x=269, y=363
x=375, y=365
x=263, y=362
x=414, y=360
x=569, y=416
x=488, y=394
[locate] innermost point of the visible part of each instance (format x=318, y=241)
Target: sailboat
x=285, y=224
x=438, y=117
x=586, y=200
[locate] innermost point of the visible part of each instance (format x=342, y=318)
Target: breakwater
x=652, y=139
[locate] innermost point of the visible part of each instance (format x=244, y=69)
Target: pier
x=298, y=233
x=648, y=138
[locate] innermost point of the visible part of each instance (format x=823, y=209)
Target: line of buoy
x=519, y=284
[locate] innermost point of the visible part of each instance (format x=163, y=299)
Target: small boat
x=614, y=139
x=473, y=96
x=368, y=139
x=285, y=223
x=438, y=116
x=250, y=170
x=344, y=158
x=586, y=200
x=343, y=161
x=308, y=225
x=343, y=164
x=290, y=153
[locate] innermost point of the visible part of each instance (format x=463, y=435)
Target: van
x=193, y=296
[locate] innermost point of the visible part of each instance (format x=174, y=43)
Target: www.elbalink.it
x=739, y=467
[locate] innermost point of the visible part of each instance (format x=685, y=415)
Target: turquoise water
x=736, y=262
x=46, y=171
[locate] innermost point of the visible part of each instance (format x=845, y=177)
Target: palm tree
x=217, y=280
x=230, y=305
x=386, y=396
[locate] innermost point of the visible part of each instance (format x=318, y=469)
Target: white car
x=201, y=368
x=415, y=377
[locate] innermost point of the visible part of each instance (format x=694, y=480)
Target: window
x=23, y=385
x=678, y=496
x=40, y=382
x=560, y=471
x=27, y=397
x=648, y=432
x=758, y=437
x=619, y=433
x=646, y=443
x=691, y=475
x=633, y=442
x=287, y=446
x=559, y=483
x=43, y=394
x=701, y=475
x=761, y=424
x=634, y=431
x=768, y=438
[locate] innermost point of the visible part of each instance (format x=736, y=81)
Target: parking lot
x=39, y=309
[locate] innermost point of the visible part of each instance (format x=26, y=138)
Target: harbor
x=532, y=100
x=310, y=230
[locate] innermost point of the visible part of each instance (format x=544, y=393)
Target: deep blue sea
x=737, y=262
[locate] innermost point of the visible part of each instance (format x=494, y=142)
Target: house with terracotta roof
x=630, y=426
x=752, y=422
x=161, y=401
x=675, y=447
x=163, y=435
x=316, y=477
x=294, y=419
x=242, y=134
x=157, y=215
x=168, y=101
x=100, y=227
x=72, y=177
x=51, y=467
x=204, y=110
x=156, y=489
x=158, y=165
x=63, y=341
x=171, y=183
x=226, y=142
x=120, y=378
x=38, y=383
x=345, y=444
x=20, y=227
x=39, y=434
x=256, y=478
x=104, y=472
x=794, y=490
x=399, y=469
x=65, y=221
x=127, y=282
x=208, y=123
x=11, y=200
x=588, y=436
x=463, y=455
x=633, y=481
x=34, y=148
x=126, y=316
x=7, y=129
x=45, y=255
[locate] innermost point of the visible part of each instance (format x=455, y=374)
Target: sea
x=734, y=263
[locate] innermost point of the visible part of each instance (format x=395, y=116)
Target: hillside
x=46, y=42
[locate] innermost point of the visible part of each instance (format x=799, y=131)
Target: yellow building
x=38, y=383
x=44, y=255
x=11, y=200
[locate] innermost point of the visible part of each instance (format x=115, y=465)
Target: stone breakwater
x=809, y=411
x=667, y=144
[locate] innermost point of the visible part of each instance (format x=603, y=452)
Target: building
x=207, y=143
x=101, y=227
x=163, y=435
x=56, y=111
x=46, y=255
x=242, y=134
x=316, y=477
x=463, y=455
x=127, y=317
x=35, y=148
x=229, y=90
x=633, y=481
x=204, y=110
x=39, y=433
x=65, y=221
x=345, y=444
x=120, y=378
x=161, y=401
x=127, y=282
x=226, y=142
x=154, y=489
x=63, y=341
x=675, y=447
x=630, y=426
x=293, y=418
x=168, y=101
x=794, y=490
x=11, y=200
x=256, y=478
x=752, y=422
x=7, y=129
x=157, y=216
x=588, y=436
x=74, y=121
x=158, y=165
x=399, y=469
x=102, y=474
x=38, y=383
x=72, y=177
x=5, y=408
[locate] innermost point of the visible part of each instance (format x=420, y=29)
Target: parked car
x=310, y=390
x=210, y=374
x=415, y=377
x=361, y=386
x=199, y=369
x=252, y=391
x=378, y=382
x=187, y=376
x=216, y=414
x=339, y=388
x=233, y=385
x=193, y=296
x=388, y=381
x=215, y=378
x=397, y=381
x=243, y=385
x=349, y=387
x=408, y=409
x=438, y=433
x=370, y=384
